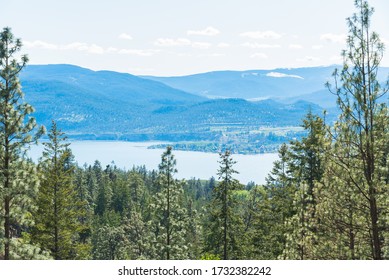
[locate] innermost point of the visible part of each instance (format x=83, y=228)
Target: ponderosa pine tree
x=306, y=167
x=342, y=219
x=222, y=237
x=18, y=130
x=363, y=124
x=109, y=242
x=169, y=215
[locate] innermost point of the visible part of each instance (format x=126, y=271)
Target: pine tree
x=138, y=235
x=224, y=224
x=341, y=217
x=85, y=208
x=169, y=216
x=104, y=182
x=18, y=178
x=260, y=226
x=363, y=123
x=306, y=167
x=110, y=242
x=280, y=194
x=57, y=218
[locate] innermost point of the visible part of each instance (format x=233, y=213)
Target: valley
x=247, y=112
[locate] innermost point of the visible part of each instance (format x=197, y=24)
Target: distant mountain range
x=206, y=107
x=284, y=85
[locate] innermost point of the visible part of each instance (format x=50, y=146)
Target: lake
x=189, y=164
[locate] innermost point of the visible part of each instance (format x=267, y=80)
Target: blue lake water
x=189, y=164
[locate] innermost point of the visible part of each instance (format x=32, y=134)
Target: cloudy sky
x=179, y=37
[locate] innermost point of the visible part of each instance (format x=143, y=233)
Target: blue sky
x=179, y=37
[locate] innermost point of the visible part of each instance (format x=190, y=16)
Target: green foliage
x=306, y=168
x=60, y=212
x=209, y=257
x=224, y=226
x=361, y=139
x=18, y=177
x=109, y=243
x=325, y=198
x=169, y=218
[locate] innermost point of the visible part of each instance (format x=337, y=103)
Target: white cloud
x=125, y=36
x=95, y=49
x=40, y=44
x=209, y=31
x=88, y=48
x=138, y=52
x=334, y=38
x=167, y=42
x=201, y=45
x=295, y=46
x=282, y=75
x=77, y=46
x=260, y=46
x=261, y=34
x=223, y=45
x=259, y=55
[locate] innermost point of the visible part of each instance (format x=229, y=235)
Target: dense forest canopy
x=325, y=198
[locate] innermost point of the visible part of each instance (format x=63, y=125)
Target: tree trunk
x=225, y=255
x=6, y=229
x=377, y=252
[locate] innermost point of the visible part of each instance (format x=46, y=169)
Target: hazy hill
x=285, y=85
x=108, y=105
x=253, y=83
x=105, y=84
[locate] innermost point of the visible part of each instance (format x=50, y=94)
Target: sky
x=181, y=37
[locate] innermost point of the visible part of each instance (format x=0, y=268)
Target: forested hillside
x=104, y=105
x=325, y=198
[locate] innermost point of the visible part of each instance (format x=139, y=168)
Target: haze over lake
x=189, y=164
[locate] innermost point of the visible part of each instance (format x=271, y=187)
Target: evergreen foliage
x=325, y=198
x=224, y=223
x=169, y=216
x=361, y=132
x=59, y=214
x=18, y=130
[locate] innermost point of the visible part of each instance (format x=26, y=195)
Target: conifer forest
x=327, y=196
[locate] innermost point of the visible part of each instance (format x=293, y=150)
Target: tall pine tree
x=362, y=126
x=18, y=178
x=306, y=167
x=57, y=218
x=169, y=216
x=222, y=237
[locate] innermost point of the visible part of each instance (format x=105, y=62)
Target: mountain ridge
x=107, y=105
x=283, y=84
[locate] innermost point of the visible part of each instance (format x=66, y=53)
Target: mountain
x=86, y=101
x=114, y=106
x=109, y=85
x=285, y=85
x=252, y=84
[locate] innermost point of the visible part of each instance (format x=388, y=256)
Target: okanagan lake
x=189, y=164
